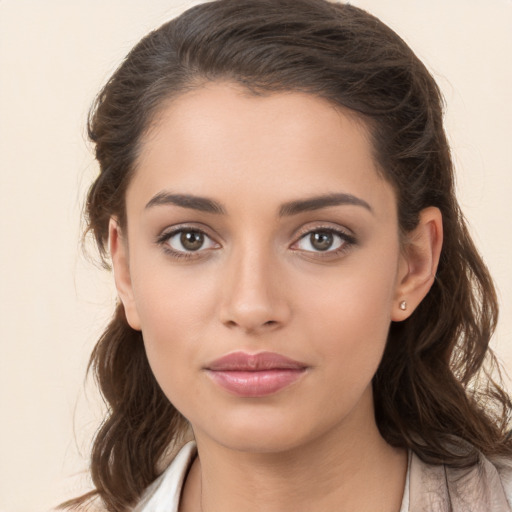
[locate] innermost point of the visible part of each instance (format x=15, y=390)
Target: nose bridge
x=253, y=297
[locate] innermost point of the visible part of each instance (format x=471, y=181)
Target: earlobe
x=120, y=264
x=418, y=265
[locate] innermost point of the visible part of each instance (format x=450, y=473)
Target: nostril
x=253, y=328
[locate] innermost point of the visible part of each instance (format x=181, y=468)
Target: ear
x=418, y=263
x=118, y=246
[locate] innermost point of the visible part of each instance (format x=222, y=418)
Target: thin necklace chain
x=201, y=493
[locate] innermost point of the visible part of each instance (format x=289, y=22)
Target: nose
x=254, y=298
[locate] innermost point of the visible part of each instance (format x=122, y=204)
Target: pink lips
x=255, y=375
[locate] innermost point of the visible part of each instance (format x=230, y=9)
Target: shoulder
x=504, y=469
x=483, y=487
x=165, y=491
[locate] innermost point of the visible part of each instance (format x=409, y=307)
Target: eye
x=186, y=241
x=325, y=240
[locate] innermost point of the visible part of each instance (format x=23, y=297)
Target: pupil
x=192, y=240
x=321, y=240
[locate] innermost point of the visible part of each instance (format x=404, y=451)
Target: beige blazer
x=485, y=487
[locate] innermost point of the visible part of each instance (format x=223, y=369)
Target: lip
x=255, y=375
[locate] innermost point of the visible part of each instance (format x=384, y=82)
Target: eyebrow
x=322, y=201
x=202, y=204
x=288, y=209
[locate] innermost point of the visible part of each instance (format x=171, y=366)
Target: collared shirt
x=485, y=487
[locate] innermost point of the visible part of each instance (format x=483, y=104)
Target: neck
x=346, y=469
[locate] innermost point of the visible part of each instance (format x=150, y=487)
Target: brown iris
x=192, y=240
x=321, y=240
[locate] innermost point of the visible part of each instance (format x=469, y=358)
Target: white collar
x=163, y=495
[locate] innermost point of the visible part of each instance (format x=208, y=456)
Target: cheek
x=170, y=299
x=349, y=318
x=173, y=310
x=170, y=340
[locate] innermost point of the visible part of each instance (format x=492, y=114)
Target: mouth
x=255, y=375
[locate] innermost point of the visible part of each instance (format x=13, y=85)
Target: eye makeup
x=197, y=238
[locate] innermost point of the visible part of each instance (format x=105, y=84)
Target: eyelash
x=167, y=235
x=347, y=242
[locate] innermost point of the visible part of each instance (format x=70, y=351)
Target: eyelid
x=325, y=227
x=170, y=232
x=348, y=240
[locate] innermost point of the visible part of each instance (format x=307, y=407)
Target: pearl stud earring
x=403, y=305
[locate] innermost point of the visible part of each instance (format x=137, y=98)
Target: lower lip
x=256, y=383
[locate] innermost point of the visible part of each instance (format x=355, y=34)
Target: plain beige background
x=54, y=56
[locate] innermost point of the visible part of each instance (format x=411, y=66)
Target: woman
x=298, y=290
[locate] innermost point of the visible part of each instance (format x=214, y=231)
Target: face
x=261, y=261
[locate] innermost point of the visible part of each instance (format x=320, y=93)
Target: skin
x=259, y=283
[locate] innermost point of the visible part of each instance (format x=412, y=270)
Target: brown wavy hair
x=433, y=390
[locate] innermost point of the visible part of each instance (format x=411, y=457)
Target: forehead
x=279, y=144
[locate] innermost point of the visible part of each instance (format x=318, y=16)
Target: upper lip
x=241, y=361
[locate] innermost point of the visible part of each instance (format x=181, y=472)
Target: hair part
x=433, y=391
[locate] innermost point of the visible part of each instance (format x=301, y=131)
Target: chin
x=264, y=444
x=262, y=433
